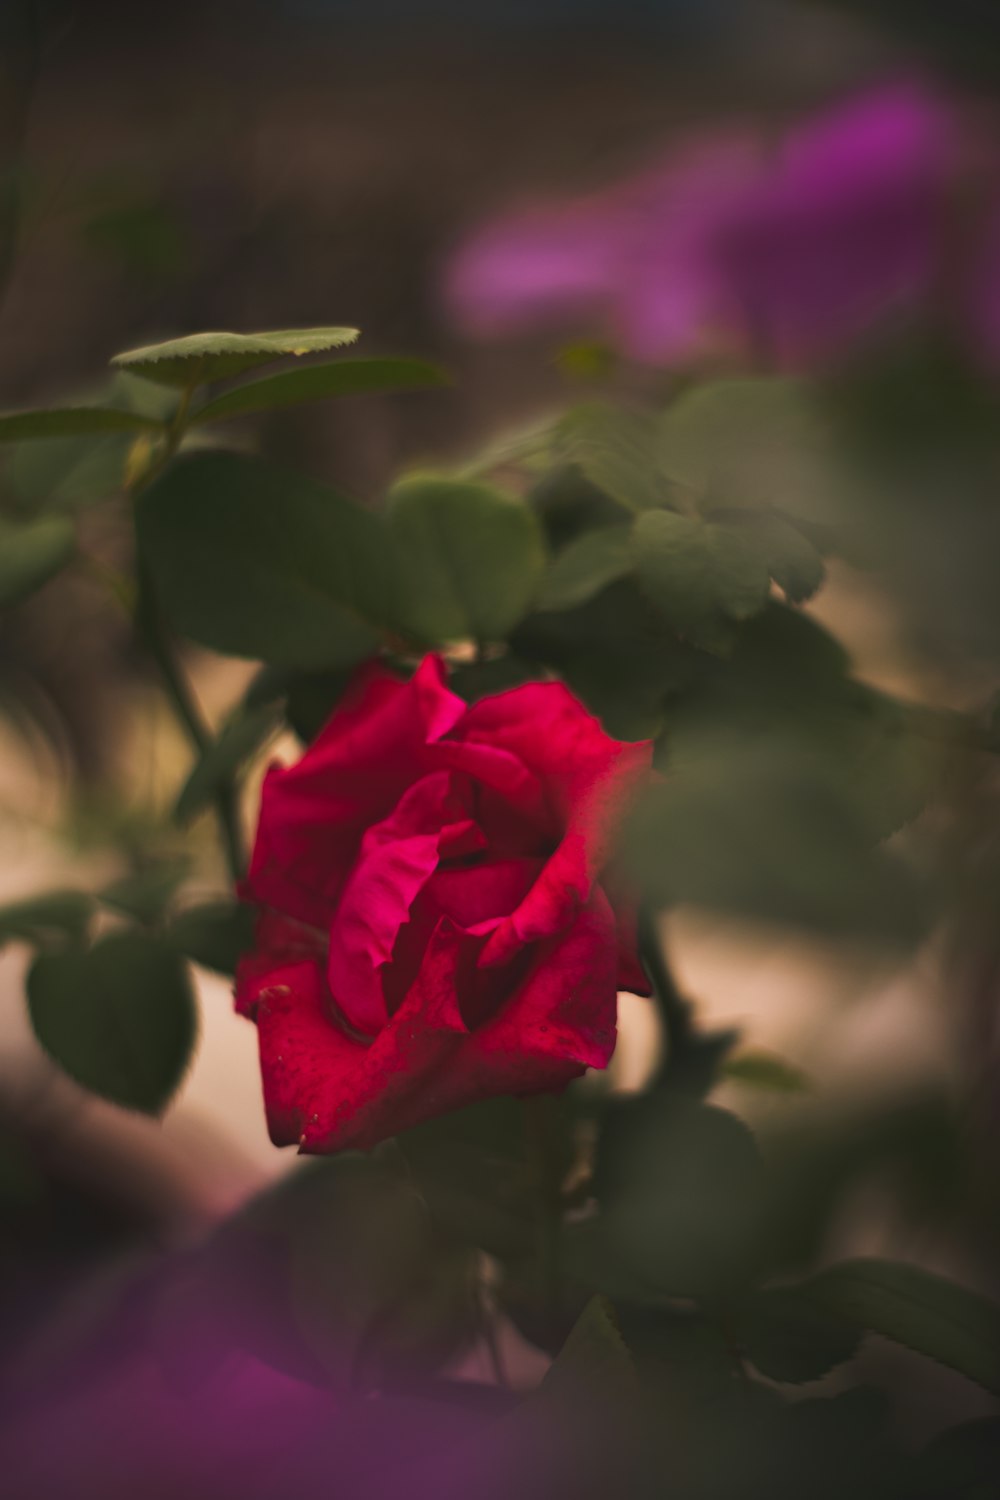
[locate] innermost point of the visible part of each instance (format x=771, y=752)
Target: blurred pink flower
x=796, y=251
x=845, y=227
x=633, y=257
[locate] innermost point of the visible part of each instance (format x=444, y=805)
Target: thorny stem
x=151, y=624
x=674, y=1009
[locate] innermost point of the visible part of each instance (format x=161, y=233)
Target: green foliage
x=927, y=1313
x=311, y=700
x=765, y=1071
x=31, y=553
x=617, y=450
x=679, y=1183
x=200, y=358
x=72, y=421
x=375, y=1290
x=751, y=443
x=593, y=1361
x=468, y=557
x=119, y=1018
x=257, y=562
x=790, y=557
x=774, y=834
x=617, y=653
x=59, y=916
x=702, y=578
x=471, y=1170
x=787, y=1337
x=241, y=737
x=637, y=555
x=214, y=934
x=339, y=1275
x=344, y=377
x=146, y=894
x=67, y=473
x=587, y=565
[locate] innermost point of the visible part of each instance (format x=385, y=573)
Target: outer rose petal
x=313, y=814
x=327, y=1091
x=562, y=1018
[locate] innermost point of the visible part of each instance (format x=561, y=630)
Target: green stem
x=153, y=628
x=188, y=714
x=673, y=1008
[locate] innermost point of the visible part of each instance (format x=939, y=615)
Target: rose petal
x=326, y=1090
x=589, y=777
x=313, y=814
x=397, y=858
x=564, y=1011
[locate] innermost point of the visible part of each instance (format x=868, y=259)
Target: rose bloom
x=434, y=928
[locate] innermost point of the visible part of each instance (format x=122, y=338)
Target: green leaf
x=60, y=915
x=765, y=1070
x=789, y=557
x=312, y=699
x=70, y=472
x=119, y=1018
x=772, y=831
x=469, y=559
x=342, y=377
x=754, y=442
x=817, y=1163
x=680, y=1185
x=618, y=450
x=699, y=576
x=66, y=473
x=586, y=566
x=259, y=562
x=240, y=738
x=377, y=1294
x=568, y=505
x=199, y=358
x=72, y=421
x=31, y=553
x=923, y=1311
x=593, y=1362
x=146, y=894
x=788, y=1338
x=616, y=653
x=215, y=934
x=471, y=1172
x=473, y=680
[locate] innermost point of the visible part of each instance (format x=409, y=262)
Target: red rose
x=433, y=929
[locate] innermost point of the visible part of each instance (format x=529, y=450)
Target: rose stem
x=545, y=1174
x=673, y=1008
x=152, y=627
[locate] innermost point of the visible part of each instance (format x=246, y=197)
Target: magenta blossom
x=733, y=243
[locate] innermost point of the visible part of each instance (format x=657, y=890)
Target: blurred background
x=239, y=164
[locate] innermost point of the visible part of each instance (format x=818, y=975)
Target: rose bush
x=433, y=925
